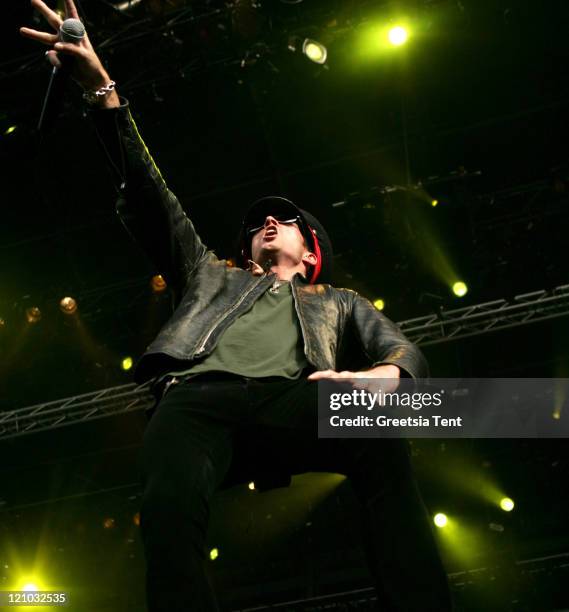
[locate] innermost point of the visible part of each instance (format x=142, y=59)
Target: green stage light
x=379, y=304
x=315, y=51
x=440, y=520
x=459, y=288
x=507, y=504
x=398, y=35
x=126, y=363
x=213, y=554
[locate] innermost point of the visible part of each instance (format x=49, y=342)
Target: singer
x=235, y=370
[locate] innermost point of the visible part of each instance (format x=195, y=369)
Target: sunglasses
x=283, y=219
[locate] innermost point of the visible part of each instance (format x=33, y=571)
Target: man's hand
x=381, y=371
x=87, y=70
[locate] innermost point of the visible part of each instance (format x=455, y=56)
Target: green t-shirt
x=264, y=341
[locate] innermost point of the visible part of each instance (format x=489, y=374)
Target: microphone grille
x=71, y=31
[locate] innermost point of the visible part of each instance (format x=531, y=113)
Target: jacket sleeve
x=384, y=343
x=147, y=208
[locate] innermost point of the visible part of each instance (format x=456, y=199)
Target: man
x=235, y=367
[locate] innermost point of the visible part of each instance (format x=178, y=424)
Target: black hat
x=313, y=231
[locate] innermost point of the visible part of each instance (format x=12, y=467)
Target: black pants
x=190, y=445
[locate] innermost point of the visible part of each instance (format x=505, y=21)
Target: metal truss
x=430, y=329
x=74, y=410
x=539, y=569
x=500, y=314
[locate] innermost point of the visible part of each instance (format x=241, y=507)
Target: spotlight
x=30, y=586
x=213, y=554
x=440, y=520
x=33, y=315
x=459, y=289
x=126, y=363
x=251, y=486
x=158, y=283
x=314, y=51
x=109, y=523
x=507, y=504
x=11, y=129
x=398, y=36
x=68, y=306
x=379, y=304
x=434, y=203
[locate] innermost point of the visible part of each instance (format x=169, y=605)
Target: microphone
x=71, y=31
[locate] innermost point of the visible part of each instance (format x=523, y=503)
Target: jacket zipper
x=232, y=309
x=297, y=309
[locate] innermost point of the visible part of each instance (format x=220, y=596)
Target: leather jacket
x=341, y=329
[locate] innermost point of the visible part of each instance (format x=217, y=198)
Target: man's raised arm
x=147, y=208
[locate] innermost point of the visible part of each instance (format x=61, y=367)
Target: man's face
x=281, y=242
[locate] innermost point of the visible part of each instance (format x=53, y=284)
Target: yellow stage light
x=68, y=306
x=251, y=486
x=398, y=35
x=213, y=554
x=314, y=51
x=440, y=519
x=158, y=283
x=30, y=586
x=126, y=363
x=459, y=289
x=33, y=315
x=11, y=129
x=2, y=323
x=434, y=203
x=379, y=304
x=507, y=504
x=136, y=519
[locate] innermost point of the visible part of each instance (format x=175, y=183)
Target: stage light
x=109, y=523
x=33, y=315
x=30, y=586
x=379, y=304
x=434, y=203
x=136, y=519
x=440, y=520
x=2, y=323
x=314, y=51
x=68, y=306
x=398, y=35
x=126, y=363
x=459, y=288
x=11, y=129
x=158, y=283
x=507, y=504
x=213, y=554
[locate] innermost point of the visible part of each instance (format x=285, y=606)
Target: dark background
x=471, y=112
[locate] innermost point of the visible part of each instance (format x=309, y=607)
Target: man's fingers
x=71, y=9
x=320, y=374
x=69, y=48
x=43, y=37
x=52, y=17
x=53, y=59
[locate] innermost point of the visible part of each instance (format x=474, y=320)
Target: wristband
x=93, y=96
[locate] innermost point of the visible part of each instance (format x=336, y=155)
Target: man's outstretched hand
x=386, y=371
x=87, y=70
